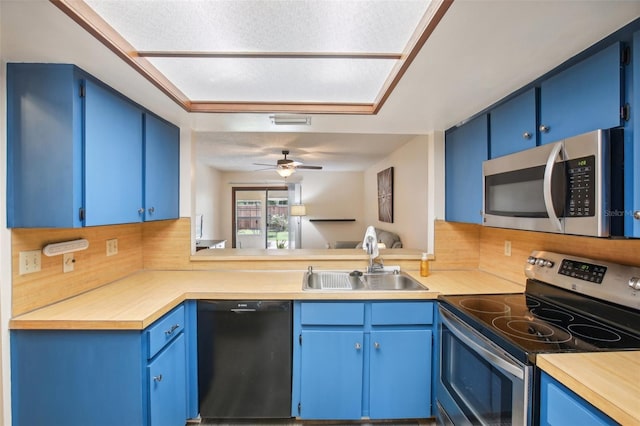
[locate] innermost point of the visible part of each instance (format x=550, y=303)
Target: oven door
x=479, y=383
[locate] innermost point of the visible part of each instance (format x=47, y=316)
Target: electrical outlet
x=507, y=248
x=112, y=247
x=68, y=262
x=30, y=261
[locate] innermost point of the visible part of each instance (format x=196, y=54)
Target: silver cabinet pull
x=358, y=346
x=157, y=378
x=376, y=345
x=140, y=210
x=544, y=129
x=526, y=135
x=636, y=215
x=151, y=210
x=173, y=328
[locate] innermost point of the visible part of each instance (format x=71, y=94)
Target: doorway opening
x=261, y=218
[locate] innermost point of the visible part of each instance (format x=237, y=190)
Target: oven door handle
x=495, y=359
x=548, y=176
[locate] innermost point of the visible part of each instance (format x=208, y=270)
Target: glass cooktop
x=526, y=325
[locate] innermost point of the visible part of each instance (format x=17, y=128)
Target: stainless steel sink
x=392, y=282
x=356, y=280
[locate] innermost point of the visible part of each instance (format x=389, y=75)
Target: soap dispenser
x=424, y=265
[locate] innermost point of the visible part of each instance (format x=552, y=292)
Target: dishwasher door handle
x=241, y=310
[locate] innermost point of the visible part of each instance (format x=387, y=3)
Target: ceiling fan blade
x=268, y=165
x=309, y=167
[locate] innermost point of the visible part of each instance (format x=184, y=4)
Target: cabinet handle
x=636, y=215
x=157, y=378
x=544, y=129
x=151, y=210
x=173, y=328
x=358, y=346
x=526, y=135
x=376, y=345
x=140, y=210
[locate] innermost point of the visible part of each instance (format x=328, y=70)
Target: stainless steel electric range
x=489, y=343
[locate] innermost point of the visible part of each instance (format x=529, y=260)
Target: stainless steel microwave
x=573, y=186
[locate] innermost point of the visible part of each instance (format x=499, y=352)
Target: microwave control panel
x=580, y=186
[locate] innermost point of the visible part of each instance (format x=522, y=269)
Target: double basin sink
x=356, y=280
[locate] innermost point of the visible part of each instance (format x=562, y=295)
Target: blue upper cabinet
x=585, y=97
x=76, y=152
x=465, y=149
x=44, y=146
x=632, y=149
x=113, y=158
x=514, y=125
x=161, y=169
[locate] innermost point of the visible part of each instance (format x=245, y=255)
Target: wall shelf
x=332, y=220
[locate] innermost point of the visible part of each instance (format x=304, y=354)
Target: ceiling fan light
x=290, y=119
x=285, y=172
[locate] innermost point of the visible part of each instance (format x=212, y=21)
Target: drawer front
x=165, y=329
x=317, y=313
x=401, y=313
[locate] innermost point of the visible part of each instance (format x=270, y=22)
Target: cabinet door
x=113, y=158
x=77, y=378
x=167, y=385
x=400, y=374
x=514, y=125
x=44, y=146
x=585, y=97
x=161, y=169
x=632, y=151
x=465, y=150
x=561, y=406
x=331, y=364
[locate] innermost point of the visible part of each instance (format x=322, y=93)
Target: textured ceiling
x=480, y=52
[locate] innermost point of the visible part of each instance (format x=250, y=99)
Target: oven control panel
x=583, y=270
x=600, y=279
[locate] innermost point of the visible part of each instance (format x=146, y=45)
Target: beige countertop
x=300, y=254
x=138, y=300
x=610, y=381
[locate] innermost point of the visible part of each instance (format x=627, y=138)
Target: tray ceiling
x=297, y=56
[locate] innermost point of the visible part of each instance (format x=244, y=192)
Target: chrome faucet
x=371, y=245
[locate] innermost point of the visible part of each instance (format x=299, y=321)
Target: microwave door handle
x=493, y=358
x=548, y=175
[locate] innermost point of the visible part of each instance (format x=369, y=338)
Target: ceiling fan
x=285, y=167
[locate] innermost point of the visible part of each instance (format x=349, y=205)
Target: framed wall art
x=385, y=195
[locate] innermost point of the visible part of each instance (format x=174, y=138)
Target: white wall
x=332, y=195
x=326, y=195
x=410, y=192
x=5, y=259
x=418, y=198
x=208, y=199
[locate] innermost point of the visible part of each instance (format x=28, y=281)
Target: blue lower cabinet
x=103, y=377
x=561, y=406
x=168, y=386
x=331, y=373
x=400, y=374
x=362, y=359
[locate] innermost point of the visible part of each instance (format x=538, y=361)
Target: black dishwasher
x=244, y=359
